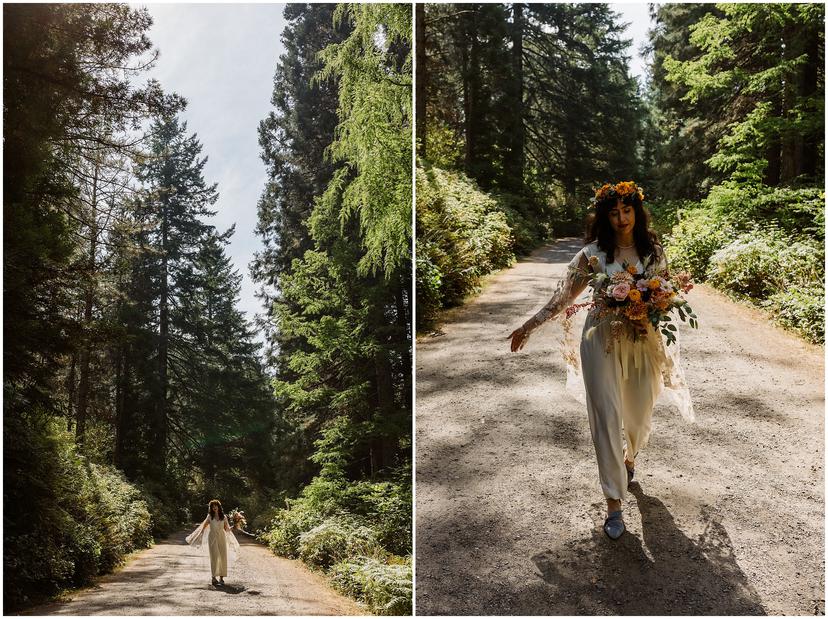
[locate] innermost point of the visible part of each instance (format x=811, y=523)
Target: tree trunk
x=89, y=298
x=471, y=92
x=422, y=76
x=70, y=390
x=404, y=323
x=160, y=429
x=808, y=86
x=120, y=393
x=516, y=137
x=791, y=144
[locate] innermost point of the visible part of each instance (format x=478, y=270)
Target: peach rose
x=620, y=291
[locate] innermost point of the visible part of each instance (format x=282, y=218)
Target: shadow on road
x=668, y=574
x=232, y=589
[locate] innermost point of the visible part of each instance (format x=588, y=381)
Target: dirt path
x=728, y=516
x=172, y=579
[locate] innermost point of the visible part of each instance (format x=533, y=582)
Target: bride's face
x=622, y=217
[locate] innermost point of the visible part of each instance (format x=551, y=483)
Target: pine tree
x=177, y=197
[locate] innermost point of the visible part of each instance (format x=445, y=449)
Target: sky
x=638, y=18
x=222, y=59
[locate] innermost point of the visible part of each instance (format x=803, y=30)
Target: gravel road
x=727, y=519
x=171, y=578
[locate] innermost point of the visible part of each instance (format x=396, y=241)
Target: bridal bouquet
x=237, y=519
x=633, y=300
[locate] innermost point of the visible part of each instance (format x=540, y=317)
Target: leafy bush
x=118, y=514
x=527, y=228
x=798, y=211
x=802, y=310
x=749, y=265
x=336, y=539
x=462, y=234
x=760, y=263
x=694, y=240
x=761, y=244
x=664, y=215
x=387, y=505
x=336, y=522
x=385, y=587
x=283, y=535
x=65, y=520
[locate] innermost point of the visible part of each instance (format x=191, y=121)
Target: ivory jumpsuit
x=621, y=385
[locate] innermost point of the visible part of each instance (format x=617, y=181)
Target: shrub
x=462, y=234
x=65, y=520
x=283, y=535
x=357, y=526
x=802, y=310
x=384, y=586
x=749, y=266
x=336, y=539
x=118, y=514
x=697, y=236
x=665, y=214
x=387, y=505
x=524, y=220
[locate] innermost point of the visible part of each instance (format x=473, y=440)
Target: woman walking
x=623, y=373
x=216, y=535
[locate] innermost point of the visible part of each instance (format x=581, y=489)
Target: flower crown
x=621, y=190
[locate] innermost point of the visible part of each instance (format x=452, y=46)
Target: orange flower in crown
x=621, y=190
x=604, y=192
x=629, y=188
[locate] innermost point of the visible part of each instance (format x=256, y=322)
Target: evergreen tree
x=761, y=68
x=176, y=198
x=293, y=138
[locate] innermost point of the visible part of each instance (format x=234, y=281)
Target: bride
x=216, y=535
x=621, y=379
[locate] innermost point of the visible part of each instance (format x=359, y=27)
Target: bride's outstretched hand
x=518, y=337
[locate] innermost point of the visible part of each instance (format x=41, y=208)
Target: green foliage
x=384, y=587
x=70, y=520
x=360, y=530
x=758, y=66
x=698, y=235
x=373, y=66
x=665, y=214
x=284, y=533
x=801, y=310
x=462, y=234
x=336, y=539
x=759, y=244
x=527, y=229
x=761, y=262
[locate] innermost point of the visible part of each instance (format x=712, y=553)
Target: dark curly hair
x=210, y=509
x=599, y=228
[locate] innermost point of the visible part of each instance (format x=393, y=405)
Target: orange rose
x=634, y=295
x=632, y=270
x=653, y=284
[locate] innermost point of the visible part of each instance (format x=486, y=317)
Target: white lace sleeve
x=199, y=535
x=568, y=289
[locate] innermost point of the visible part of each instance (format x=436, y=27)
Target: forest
x=135, y=390
x=524, y=109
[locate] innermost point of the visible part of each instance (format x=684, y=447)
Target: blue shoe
x=614, y=525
